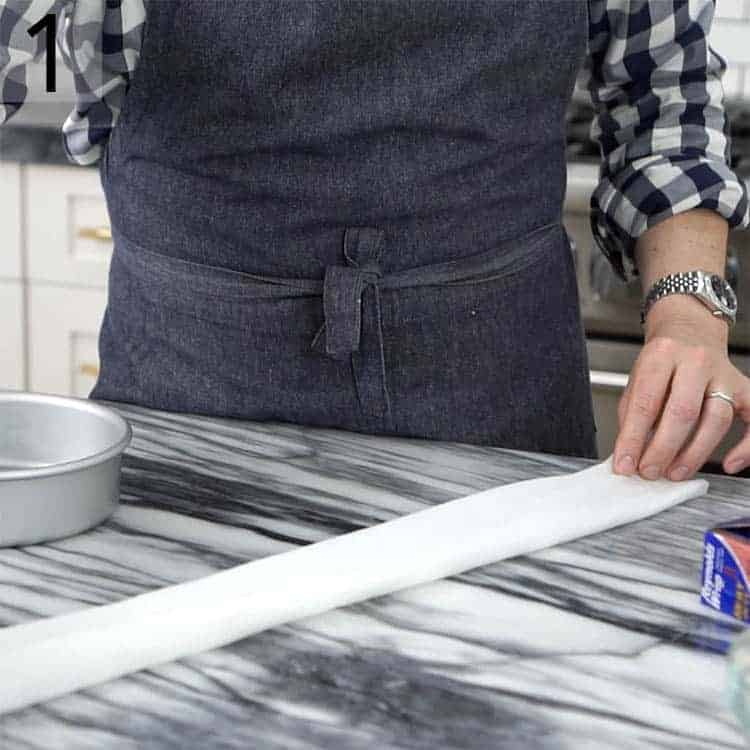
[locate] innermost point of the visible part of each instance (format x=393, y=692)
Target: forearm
x=695, y=239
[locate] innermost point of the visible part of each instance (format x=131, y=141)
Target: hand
x=666, y=426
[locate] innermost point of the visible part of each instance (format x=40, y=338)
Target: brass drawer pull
x=101, y=234
x=88, y=369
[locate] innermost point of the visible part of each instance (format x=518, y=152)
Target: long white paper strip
x=49, y=657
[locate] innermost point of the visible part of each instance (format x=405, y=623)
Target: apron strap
x=350, y=291
x=343, y=287
x=339, y=337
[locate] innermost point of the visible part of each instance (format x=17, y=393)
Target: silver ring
x=723, y=396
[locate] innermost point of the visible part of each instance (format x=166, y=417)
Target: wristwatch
x=709, y=288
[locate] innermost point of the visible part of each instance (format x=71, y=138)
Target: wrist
x=688, y=313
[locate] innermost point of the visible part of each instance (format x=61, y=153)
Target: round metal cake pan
x=59, y=466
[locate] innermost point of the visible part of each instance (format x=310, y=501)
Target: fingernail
x=679, y=473
x=625, y=465
x=651, y=471
x=735, y=465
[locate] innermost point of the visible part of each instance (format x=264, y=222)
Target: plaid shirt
x=652, y=76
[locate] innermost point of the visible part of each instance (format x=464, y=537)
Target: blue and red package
x=726, y=568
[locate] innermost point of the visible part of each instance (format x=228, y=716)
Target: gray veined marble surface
x=600, y=643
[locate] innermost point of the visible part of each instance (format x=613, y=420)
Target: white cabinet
x=54, y=261
x=11, y=338
x=63, y=332
x=68, y=238
x=10, y=213
x=12, y=323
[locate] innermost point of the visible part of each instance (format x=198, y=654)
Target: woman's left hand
x=667, y=426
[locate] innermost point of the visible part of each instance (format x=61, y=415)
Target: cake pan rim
x=65, y=467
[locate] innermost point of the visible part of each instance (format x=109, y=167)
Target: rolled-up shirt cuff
x=652, y=189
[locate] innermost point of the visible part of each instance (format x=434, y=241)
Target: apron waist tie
x=351, y=292
x=340, y=336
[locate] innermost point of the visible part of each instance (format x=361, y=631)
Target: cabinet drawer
x=67, y=226
x=11, y=341
x=10, y=221
x=64, y=331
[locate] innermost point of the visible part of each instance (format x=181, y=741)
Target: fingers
x=679, y=419
x=622, y=406
x=646, y=394
x=715, y=420
x=738, y=457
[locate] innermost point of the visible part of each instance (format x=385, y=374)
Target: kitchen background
x=55, y=245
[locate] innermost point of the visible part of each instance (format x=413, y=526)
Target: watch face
x=723, y=292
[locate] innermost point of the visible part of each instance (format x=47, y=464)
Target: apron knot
x=343, y=289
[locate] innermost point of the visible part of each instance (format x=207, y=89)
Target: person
x=349, y=214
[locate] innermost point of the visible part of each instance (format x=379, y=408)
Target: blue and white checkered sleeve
x=101, y=45
x=660, y=123
x=18, y=48
x=100, y=41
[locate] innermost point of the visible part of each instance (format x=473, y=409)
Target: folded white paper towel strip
x=49, y=657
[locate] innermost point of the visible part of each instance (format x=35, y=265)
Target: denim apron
x=348, y=213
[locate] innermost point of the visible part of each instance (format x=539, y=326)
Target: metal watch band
x=694, y=283
x=673, y=283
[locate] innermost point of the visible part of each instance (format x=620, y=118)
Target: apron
x=348, y=214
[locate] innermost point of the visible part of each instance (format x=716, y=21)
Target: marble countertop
x=599, y=643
